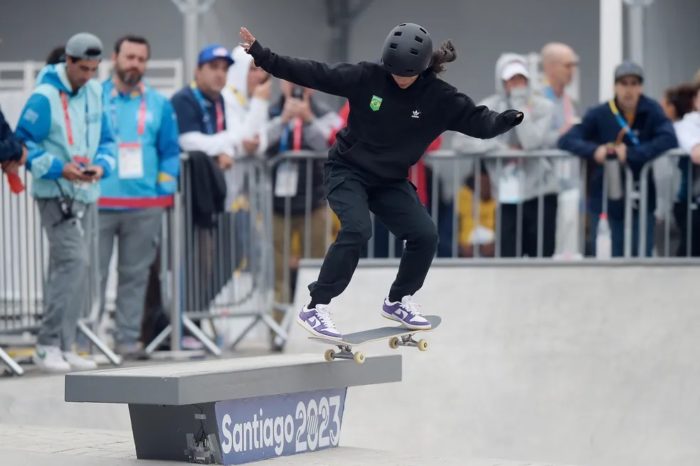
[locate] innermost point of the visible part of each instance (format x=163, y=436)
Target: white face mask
x=519, y=93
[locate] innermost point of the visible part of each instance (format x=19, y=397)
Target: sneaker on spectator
x=78, y=363
x=318, y=322
x=406, y=312
x=50, y=359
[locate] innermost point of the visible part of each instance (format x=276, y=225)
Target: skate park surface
x=541, y=364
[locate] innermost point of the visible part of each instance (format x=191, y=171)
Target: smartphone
x=89, y=172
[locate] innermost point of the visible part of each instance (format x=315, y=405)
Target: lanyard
x=141, y=116
x=569, y=113
x=69, y=128
x=625, y=128
x=206, y=119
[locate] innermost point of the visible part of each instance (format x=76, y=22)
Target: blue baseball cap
x=214, y=52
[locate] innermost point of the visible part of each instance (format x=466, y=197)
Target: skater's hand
x=247, y=38
x=513, y=117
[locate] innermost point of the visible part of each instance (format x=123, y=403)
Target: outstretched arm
x=479, y=121
x=339, y=80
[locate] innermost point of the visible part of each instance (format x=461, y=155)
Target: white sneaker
x=79, y=363
x=50, y=359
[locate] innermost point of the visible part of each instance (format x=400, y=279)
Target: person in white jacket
x=247, y=102
x=686, y=213
x=518, y=182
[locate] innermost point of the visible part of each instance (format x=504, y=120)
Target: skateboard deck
x=398, y=336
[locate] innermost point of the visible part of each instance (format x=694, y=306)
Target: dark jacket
x=10, y=146
x=654, y=131
x=389, y=128
x=207, y=188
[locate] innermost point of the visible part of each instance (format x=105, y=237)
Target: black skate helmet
x=407, y=50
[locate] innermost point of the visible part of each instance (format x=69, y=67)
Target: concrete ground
x=583, y=366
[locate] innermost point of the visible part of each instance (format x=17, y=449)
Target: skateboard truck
x=345, y=353
x=407, y=340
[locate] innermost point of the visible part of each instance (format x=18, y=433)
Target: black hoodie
x=389, y=128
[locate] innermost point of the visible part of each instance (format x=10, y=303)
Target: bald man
x=559, y=61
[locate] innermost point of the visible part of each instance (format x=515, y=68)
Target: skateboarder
x=397, y=108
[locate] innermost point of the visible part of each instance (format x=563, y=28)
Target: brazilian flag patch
x=375, y=103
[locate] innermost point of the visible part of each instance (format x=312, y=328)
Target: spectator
x=632, y=130
x=477, y=237
x=298, y=122
x=211, y=145
x=688, y=133
x=559, y=63
x=131, y=205
x=519, y=182
x=247, y=98
x=71, y=147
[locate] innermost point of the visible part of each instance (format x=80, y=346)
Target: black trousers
x=680, y=212
x=528, y=227
x=352, y=195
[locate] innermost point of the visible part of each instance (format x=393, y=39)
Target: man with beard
x=132, y=202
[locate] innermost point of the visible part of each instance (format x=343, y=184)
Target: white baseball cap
x=514, y=68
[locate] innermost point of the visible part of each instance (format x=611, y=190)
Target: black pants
x=352, y=195
x=680, y=212
x=528, y=227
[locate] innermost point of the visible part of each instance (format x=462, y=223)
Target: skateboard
x=398, y=336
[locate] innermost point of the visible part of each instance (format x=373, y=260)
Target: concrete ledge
x=208, y=381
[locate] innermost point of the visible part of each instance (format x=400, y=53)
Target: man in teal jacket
x=132, y=200
x=71, y=148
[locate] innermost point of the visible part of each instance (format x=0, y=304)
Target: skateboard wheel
x=329, y=355
x=359, y=358
x=422, y=345
x=394, y=342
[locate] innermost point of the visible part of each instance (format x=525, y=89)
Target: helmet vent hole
x=393, y=45
x=419, y=39
x=414, y=51
x=398, y=33
x=402, y=24
x=423, y=30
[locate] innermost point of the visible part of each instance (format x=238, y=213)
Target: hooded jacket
x=389, y=128
x=535, y=176
x=246, y=117
x=43, y=127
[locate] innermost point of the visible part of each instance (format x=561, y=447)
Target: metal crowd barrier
x=223, y=268
x=230, y=272
x=448, y=173
x=686, y=208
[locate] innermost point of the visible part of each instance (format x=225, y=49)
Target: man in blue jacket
x=145, y=178
x=70, y=148
x=628, y=131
